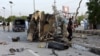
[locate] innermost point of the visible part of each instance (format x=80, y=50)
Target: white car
x=1, y=22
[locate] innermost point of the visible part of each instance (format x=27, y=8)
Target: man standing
x=4, y=25
x=8, y=25
x=69, y=29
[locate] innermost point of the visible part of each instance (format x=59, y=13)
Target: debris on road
x=3, y=43
x=41, y=45
x=13, y=50
x=15, y=39
x=54, y=53
x=57, y=45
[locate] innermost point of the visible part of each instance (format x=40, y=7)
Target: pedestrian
x=8, y=25
x=4, y=25
x=69, y=29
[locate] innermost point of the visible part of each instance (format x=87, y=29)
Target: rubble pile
x=15, y=39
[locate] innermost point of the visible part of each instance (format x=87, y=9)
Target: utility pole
x=4, y=24
x=11, y=15
x=34, y=5
x=54, y=7
x=54, y=2
x=11, y=6
x=4, y=13
x=55, y=12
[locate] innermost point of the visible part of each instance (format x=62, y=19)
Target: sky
x=26, y=7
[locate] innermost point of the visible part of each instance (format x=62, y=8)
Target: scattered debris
x=41, y=45
x=57, y=45
x=20, y=50
x=70, y=55
x=36, y=52
x=3, y=43
x=80, y=54
x=12, y=50
x=54, y=53
x=15, y=39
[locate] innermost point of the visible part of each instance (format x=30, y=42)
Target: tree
x=1, y=18
x=78, y=9
x=11, y=18
x=80, y=18
x=94, y=11
x=24, y=17
x=76, y=21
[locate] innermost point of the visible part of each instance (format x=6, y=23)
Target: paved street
x=32, y=49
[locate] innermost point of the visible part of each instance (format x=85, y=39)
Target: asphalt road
x=31, y=48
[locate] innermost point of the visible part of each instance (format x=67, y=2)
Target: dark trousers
x=70, y=34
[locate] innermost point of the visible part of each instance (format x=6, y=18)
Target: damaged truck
x=47, y=28
x=44, y=26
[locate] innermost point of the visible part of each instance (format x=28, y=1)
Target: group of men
x=4, y=25
x=69, y=28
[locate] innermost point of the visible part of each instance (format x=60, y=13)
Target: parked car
x=1, y=22
x=18, y=25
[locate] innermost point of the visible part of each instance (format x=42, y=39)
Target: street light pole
x=11, y=6
x=4, y=19
x=4, y=13
x=54, y=2
x=11, y=9
x=55, y=12
x=11, y=15
x=34, y=5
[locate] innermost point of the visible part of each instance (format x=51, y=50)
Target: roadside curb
x=87, y=32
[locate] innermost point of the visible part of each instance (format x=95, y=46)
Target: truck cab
x=18, y=25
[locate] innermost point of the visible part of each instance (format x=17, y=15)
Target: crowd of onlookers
x=4, y=24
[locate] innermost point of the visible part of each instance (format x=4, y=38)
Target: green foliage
x=24, y=17
x=80, y=18
x=94, y=11
x=11, y=18
x=1, y=18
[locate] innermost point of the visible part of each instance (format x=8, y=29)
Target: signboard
x=65, y=10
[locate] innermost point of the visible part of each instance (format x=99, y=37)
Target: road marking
x=32, y=52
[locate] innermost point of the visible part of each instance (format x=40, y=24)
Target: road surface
x=32, y=49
